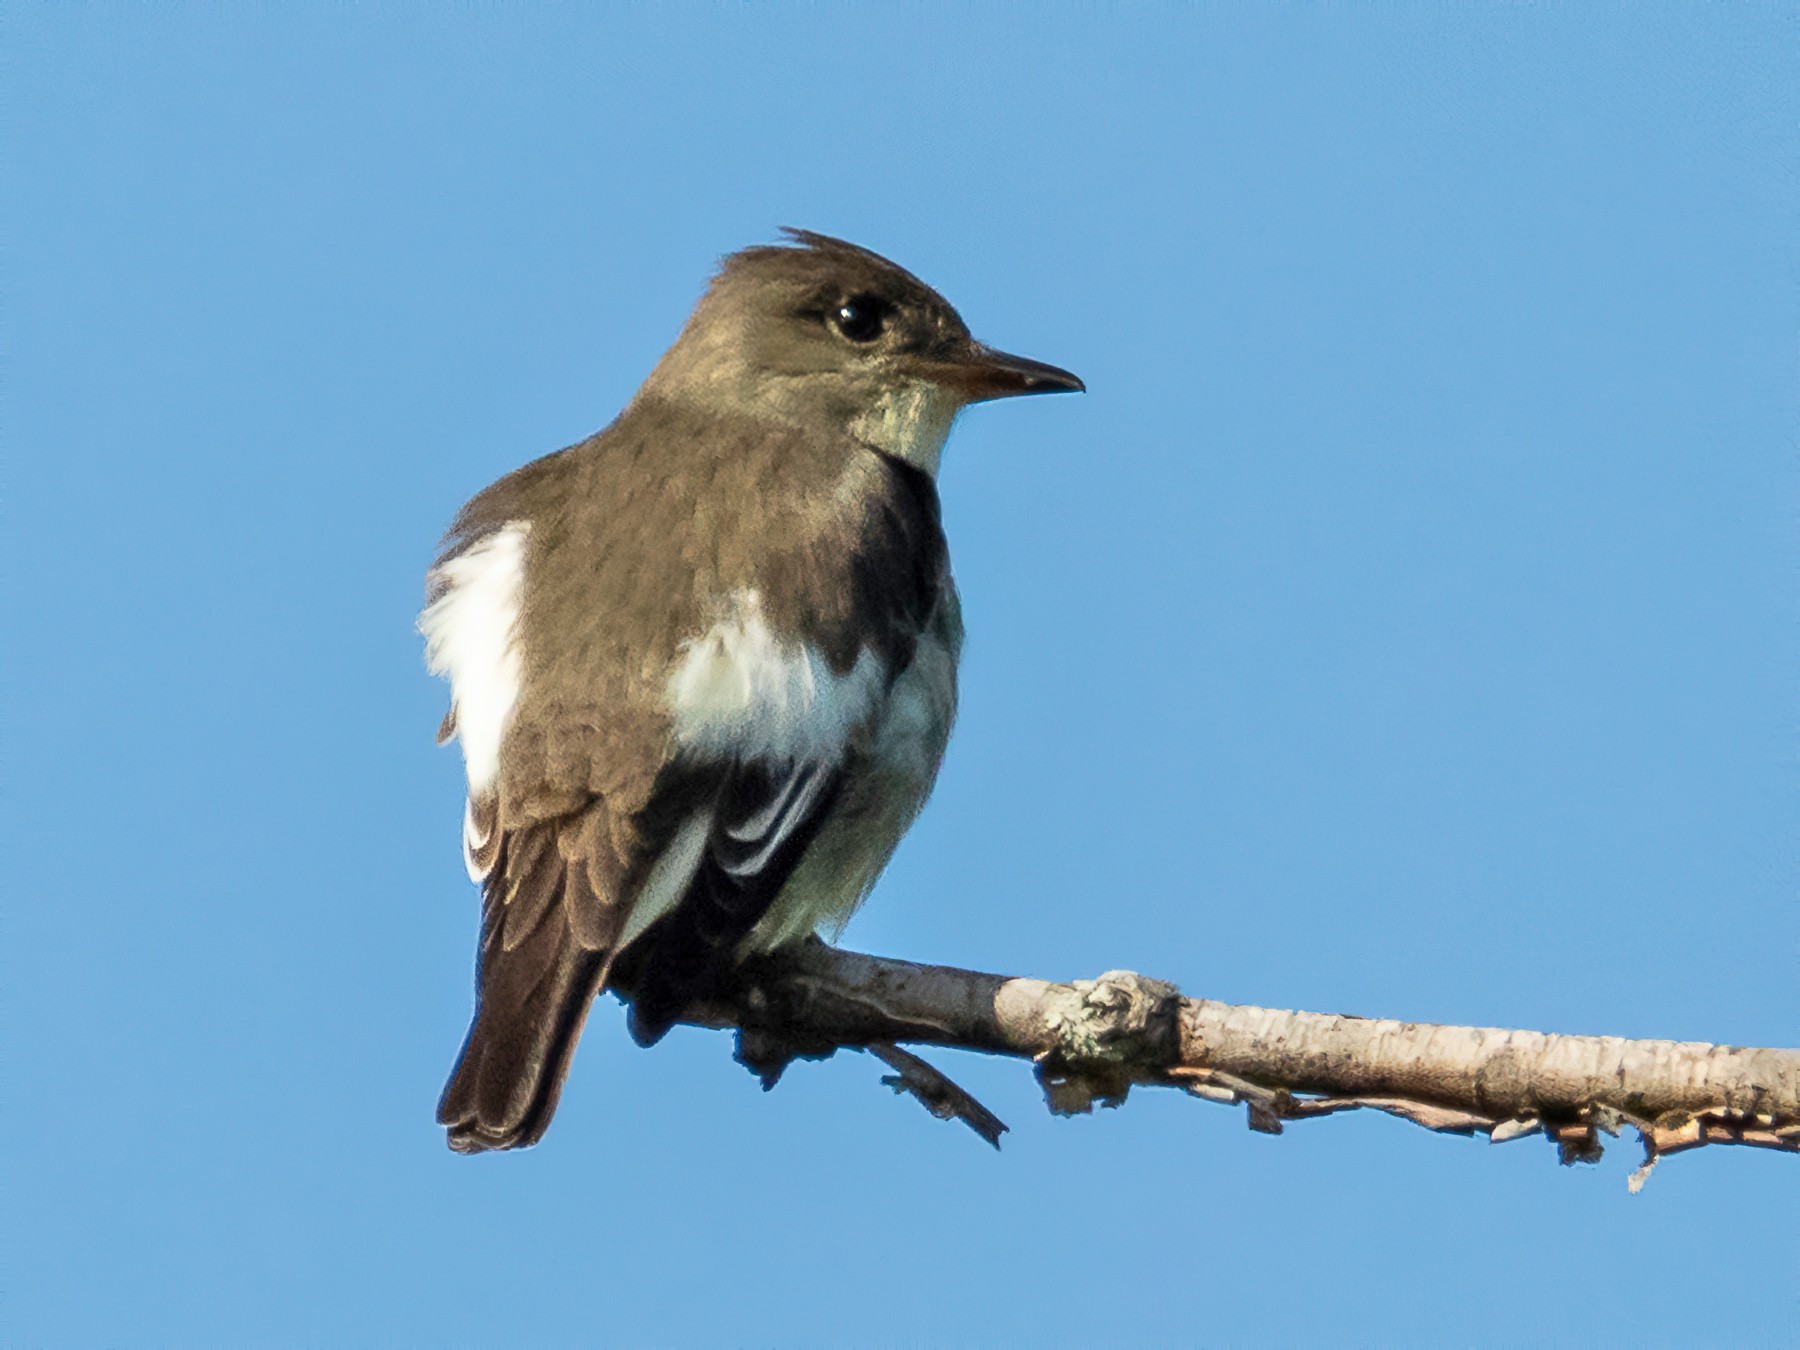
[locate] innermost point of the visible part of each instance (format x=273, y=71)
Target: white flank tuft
x=470, y=637
x=742, y=692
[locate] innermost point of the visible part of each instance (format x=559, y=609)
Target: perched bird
x=703, y=663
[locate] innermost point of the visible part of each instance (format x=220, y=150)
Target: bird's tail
x=538, y=978
x=528, y=1017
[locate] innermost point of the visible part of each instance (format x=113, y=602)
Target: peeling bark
x=1093, y=1040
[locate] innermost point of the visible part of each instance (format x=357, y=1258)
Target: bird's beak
x=978, y=372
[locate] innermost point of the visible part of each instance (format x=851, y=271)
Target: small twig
x=935, y=1092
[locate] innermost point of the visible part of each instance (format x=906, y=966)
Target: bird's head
x=824, y=331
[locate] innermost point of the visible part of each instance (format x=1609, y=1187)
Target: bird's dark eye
x=861, y=318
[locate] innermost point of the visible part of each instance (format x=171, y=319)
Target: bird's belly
x=878, y=802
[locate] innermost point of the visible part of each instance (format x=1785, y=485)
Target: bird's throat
x=910, y=423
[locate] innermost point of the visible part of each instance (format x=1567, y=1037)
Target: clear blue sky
x=1403, y=625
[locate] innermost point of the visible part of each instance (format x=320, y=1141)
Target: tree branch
x=1092, y=1040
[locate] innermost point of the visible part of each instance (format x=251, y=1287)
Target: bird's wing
x=762, y=815
x=751, y=823
x=551, y=848
x=558, y=907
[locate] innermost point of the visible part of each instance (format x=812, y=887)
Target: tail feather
x=531, y=1006
x=546, y=934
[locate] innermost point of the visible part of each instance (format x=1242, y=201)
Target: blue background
x=1403, y=625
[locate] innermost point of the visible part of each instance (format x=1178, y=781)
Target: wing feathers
x=593, y=922
x=747, y=845
x=534, y=892
x=764, y=820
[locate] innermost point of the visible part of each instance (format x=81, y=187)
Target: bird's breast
x=914, y=727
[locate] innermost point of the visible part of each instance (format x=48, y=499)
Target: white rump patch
x=740, y=691
x=470, y=636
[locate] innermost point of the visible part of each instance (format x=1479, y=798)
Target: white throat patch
x=910, y=423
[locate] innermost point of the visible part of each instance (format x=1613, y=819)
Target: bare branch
x=1092, y=1040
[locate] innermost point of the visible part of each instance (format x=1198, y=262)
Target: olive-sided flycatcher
x=703, y=663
